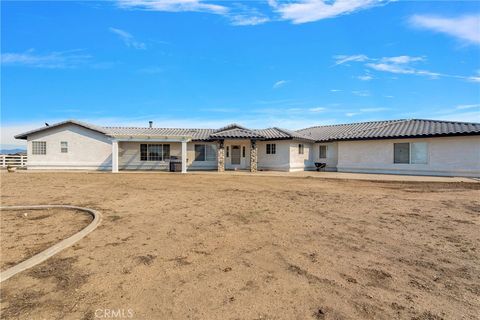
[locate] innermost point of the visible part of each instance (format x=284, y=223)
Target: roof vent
x=150, y=124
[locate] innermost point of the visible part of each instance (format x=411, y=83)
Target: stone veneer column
x=220, y=156
x=253, y=156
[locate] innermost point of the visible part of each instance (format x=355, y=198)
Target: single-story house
x=413, y=146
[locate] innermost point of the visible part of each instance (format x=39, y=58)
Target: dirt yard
x=175, y=246
x=25, y=233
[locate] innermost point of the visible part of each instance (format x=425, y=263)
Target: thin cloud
x=245, y=20
x=313, y=10
x=279, y=84
x=173, y=6
x=128, y=39
x=342, y=59
x=467, y=106
x=465, y=28
x=317, y=109
x=399, y=65
x=52, y=60
x=366, y=77
x=336, y=90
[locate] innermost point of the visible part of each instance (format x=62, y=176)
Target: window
x=322, y=152
x=415, y=153
x=205, y=152
x=401, y=153
x=243, y=151
x=271, y=148
x=39, y=147
x=228, y=151
x=63, y=146
x=419, y=153
x=301, y=148
x=154, y=152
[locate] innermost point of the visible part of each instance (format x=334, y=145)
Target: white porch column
x=184, y=157
x=114, y=156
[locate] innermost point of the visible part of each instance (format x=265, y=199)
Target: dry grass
x=247, y=247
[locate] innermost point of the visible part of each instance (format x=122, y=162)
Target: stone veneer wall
x=221, y=157
x=253, y=156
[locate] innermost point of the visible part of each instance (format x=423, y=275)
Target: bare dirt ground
x=25, y=233
x=175, y=246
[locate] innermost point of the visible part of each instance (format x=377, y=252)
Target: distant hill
x=12, y=151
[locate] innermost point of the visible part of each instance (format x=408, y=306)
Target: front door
x=235, y=159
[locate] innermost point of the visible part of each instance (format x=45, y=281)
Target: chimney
x=150, y=124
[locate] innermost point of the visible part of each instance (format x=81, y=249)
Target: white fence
x=12, y=160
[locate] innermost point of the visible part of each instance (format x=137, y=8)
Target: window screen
x=64, y=147
x=322, y=152
x=199, y=152
x=401, y=153
x=39, y=147
x=419, y=152
x=243, y=151
x=300, y=148
x=211, y=152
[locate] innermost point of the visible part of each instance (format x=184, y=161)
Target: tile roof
x=391, y=129
x=196, y=134
x=279, y=133
x=237, y=133
x=353, y=131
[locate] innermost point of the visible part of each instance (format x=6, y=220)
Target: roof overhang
x=152, y=138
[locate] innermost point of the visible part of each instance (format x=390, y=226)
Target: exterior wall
x=129, y=156
x=279, y=161
x=447, y=156
x=301, y=162
x=199, y=165
x=87, y=149
x=332, y=155
x=244, y=161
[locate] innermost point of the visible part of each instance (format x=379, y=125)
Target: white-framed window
x=228, y=151
x=271, y=148
x=63, y=146
x=39, y=147
x=154, y=152
x=322, y=152
x=410, y=152
x=301, y=148
x=205, y=152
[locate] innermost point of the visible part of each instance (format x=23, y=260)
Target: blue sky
x=193, y=63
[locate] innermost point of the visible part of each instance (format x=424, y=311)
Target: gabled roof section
x=391, y=129
x=237, y=133
x=55, y=125
x=230, y=127
x=280, y=133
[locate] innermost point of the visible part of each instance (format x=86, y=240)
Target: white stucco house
x=413, y=146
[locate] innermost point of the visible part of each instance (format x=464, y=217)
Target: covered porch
x=237, y=154
x=149, y=153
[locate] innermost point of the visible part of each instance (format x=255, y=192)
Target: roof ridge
x=444, y=121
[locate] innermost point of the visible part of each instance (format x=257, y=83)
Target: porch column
x=220, y=156
x=184, y=157
x=114, y=156
x=253, y=156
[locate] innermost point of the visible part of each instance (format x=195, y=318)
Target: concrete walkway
x=47, y=253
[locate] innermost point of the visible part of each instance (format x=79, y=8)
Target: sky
x=205, y=64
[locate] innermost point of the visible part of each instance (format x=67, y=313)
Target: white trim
x=114, y=155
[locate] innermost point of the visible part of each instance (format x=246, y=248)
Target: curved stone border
x=44, y=255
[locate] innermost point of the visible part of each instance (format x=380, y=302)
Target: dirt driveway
x=175, y=246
